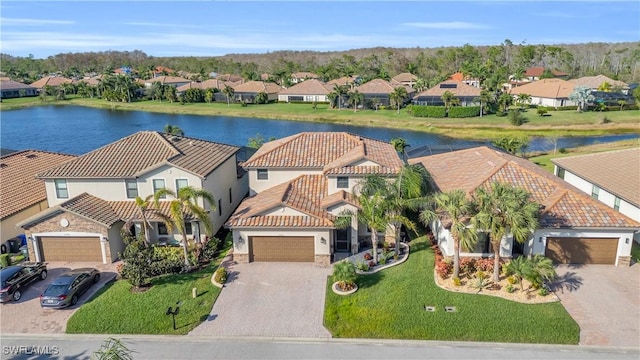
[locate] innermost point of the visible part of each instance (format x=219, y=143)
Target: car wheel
x=96, y=278
x=43, y=275
x=17, y=295
x=74, y=299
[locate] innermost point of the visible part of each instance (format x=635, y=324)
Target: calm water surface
x=77, y=130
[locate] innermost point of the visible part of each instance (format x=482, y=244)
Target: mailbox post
x=173, y=313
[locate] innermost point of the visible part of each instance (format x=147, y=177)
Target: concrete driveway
x=271, y=300
x=26, y=315
x=604, y=300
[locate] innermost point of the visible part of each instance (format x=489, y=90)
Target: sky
x=216, y=28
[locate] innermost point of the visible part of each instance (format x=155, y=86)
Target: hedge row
x=464, y=111
x=429, y=111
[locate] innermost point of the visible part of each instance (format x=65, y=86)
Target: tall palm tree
x=456, y=207
x=185, y=203
x=400, y=144
x=144, y=208
x=355, y=98
x=448, y=98
x=397, y=96
x=502, y=210
x=340, y=90
x=228, y=91
x=523, y=100
x=484, y=99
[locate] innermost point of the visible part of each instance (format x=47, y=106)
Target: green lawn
x=390, y=305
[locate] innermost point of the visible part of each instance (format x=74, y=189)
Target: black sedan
x=14, y=279
x=68, y=287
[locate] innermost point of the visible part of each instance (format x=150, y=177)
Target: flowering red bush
x=372, y=264
x=368, y=256
x=468, y=265
x=484, y=264
x=444, y=268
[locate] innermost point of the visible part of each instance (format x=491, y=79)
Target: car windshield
x=55, y=289
x=6, y=274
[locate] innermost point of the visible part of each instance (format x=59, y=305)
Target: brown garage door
x=71, y=249
x=281, y=248
x=567, y=250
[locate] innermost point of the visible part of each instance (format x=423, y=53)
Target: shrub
x=371, y=264
x=516, y=118
x=605, y=120
x=5, y=260
x=484, y=264
x=362, y=266
x=510, y=288
x=220, y=276
x=562, y=151
x=207, y=250
x=565, y=108
x=138, y=259
x=468, y=265
x=542, y=110
x=444, y=268
x=429, y=111
x=344, y=273
x=464, y=111
x=543, y=292
x=512, y=280
x=456, y=281
x=166, y=260
x=368, y=256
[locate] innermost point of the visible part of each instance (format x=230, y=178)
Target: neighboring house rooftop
x=308, y=87
x=404, y=78
x=51, y=81
x=333, y=152
x=230, y=78
x=143, y=151
x=593, y=82
x=19, y=187
x=459, y=77
x=304, y=75
x=564, y=206
x=618, y=172
x=345, y=80
x=537, y=71
x=14, y=85
x=257, y=87
x=380, y=86
x=168, y=80
x=458, y=88
x=545, y=88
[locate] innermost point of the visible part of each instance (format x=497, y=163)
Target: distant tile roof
x=19, y=187
x=161, y=68
x=593, y=82
x=14, y=85
x=51, y=81
x=545, y=88
x=257, y=87
x=380, y=86
x=333, y=152
x=345, y=80
x=230, y=78
x=308, y=87
x=618, y=172
x=458, y=88
x=304, y=75
x=306, y=194
x=537, y=71
x=564, y=205
x=142, y=151
x=167, y=80
x=405, y=77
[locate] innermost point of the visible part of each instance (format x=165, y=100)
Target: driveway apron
x=605, y=302
x=271, y=300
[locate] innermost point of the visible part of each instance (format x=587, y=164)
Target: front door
x=343, y=240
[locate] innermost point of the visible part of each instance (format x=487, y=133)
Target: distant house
x=611, y=177
x=13, y=89
x=466, y=79
x=204, y=85
x=54, y=81
x=406, y=79
x=162, y=71
x=350, y=81
x=230, y=78
x=246, y=92
x=167, y=80
x=594, y=82
x=547, y=92
x=307, y=91
x=535, y=73
x=377, y=91
x=91, y=81
x=22, y=194
x=466, y=94
x=298, y=77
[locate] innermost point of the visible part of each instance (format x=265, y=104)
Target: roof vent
x=175, y=138
x=31, y=156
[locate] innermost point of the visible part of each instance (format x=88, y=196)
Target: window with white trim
x=157, y=185
x=343, y=182
x=132, y=188
x=263, y=174
x=181, y=183
x=61, y=188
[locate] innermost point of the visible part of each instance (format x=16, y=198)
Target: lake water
x=77, y=130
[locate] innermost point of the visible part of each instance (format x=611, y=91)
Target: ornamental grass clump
x=344, y=273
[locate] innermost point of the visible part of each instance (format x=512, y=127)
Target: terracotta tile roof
x=460, y=89
x=304, y=75
x=207, y=84
x=257, y=87
x=14, y=85
x=161, y=68
x=593, y=82
x=405, y=77
x=565, y=205
x=51, y=81
x=230, y=78
x=308, y=87
x=457, y=77
x=142, y=151
x=537, y=71
x=333, y=152
x=345, y=80
x=19, y=187
x=93, y=208
x=545, y=88
x=167, y=80
x=306, y=194
x=380, y=86
x=93, y=81
x=618, y=172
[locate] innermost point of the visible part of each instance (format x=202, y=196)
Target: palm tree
x=523, y=99
x=262, y=98
x=504, y=100
x=398, y=95
x=448, y=98
x=144, y=207
x=209, y=95
x=355, y=98
x=185, y=203
x=504, y=210
x=340, y=90
x=400, y=144
x=228, y=91
x=172, y=130
x=484, y=99
x=453, y=206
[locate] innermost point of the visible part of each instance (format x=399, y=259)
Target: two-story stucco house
x=573, y=227
x=93, y=196
x=298, y=185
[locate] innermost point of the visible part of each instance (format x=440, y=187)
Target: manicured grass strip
x=116, y=310
x=390, y=305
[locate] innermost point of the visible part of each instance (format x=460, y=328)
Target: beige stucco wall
x=276, y=177
x=8, y=229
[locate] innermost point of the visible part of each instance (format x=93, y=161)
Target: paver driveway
x=604, y=300
x=270, y=299
x=26, y=315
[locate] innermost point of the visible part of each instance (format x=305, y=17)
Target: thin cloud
x=451, y=25
x=35, y=22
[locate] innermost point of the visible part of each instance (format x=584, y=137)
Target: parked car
x=14, y=279
x=67, y=288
